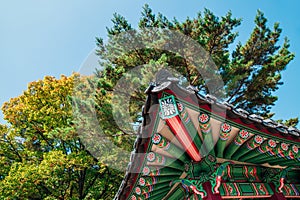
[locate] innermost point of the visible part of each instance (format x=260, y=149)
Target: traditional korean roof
x=193, y=146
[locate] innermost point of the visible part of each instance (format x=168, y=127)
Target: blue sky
x=53, y=37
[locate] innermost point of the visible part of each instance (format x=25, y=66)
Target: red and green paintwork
x=186, y=150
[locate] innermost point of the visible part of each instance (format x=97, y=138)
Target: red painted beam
x=183, y=137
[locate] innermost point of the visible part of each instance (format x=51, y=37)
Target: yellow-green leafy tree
x=41, y=152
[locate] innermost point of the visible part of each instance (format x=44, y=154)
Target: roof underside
x=188, y=142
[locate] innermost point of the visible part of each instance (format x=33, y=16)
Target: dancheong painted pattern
x=194, y=147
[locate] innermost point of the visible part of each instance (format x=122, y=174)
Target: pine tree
x=251, y=72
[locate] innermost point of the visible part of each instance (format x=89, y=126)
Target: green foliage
x=251, y=72
x=254, y=73
x=41, y=153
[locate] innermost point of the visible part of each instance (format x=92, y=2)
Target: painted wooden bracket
x=216, y=177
